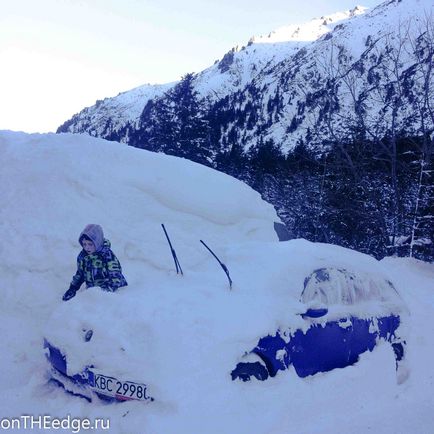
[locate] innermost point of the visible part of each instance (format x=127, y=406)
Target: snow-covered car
x=346, y=315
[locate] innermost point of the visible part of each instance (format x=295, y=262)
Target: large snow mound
x=55, y=184
x=182, y=335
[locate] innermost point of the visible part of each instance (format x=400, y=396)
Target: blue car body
x=83, y=383
x=75, y=384
x=323, y=348
x=326, y=344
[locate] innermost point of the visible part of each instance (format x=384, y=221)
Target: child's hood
x=96, y=234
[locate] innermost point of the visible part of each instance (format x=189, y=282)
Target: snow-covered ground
x=189, y=331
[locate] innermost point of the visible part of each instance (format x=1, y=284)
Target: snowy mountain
x=356, y=72
x=242, y=65
x=112, y=113
x=233, y=72
x=189, y=330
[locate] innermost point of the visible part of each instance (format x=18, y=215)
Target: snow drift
x=187, y=331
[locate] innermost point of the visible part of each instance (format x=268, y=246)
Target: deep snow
x=188, y=332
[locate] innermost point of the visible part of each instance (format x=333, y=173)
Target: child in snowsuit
x=97, y=265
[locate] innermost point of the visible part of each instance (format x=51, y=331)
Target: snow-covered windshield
x=332, y=286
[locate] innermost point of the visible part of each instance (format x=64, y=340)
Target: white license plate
x=122, y=390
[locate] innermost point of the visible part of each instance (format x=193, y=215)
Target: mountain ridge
x=112, y=113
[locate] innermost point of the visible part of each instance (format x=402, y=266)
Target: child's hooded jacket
x=101, y=268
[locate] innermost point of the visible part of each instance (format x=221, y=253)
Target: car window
x=330, y=286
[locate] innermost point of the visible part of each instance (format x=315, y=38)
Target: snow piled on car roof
x=182, y=335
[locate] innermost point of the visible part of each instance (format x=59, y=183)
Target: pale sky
x=59, y=56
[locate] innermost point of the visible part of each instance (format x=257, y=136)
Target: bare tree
x=423, y=213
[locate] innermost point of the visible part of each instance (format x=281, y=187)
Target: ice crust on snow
x=183, y=335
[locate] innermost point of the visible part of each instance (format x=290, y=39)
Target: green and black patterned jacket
x=101, y=269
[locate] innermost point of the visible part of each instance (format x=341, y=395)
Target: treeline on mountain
x=372, y=194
